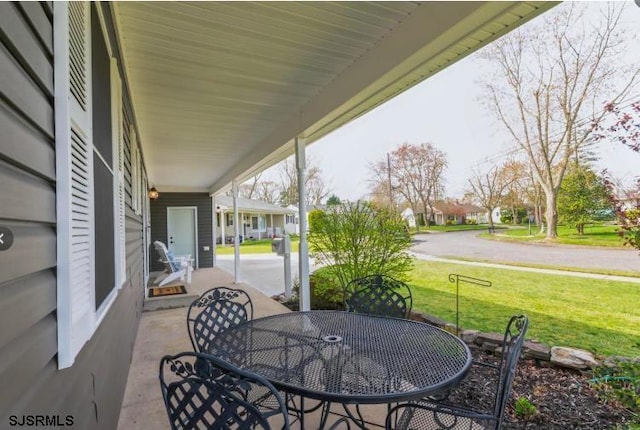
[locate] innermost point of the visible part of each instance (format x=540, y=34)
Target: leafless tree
x=551, y=83
x=413, y=171
x=488, y=189
x=315, y=187
x=515, y=175
x=247, y=190
x=267, y=191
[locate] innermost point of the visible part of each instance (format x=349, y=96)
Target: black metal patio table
x=348, y=358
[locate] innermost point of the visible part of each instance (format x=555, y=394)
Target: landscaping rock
x=429, y=319
x=536, y=351
x=469, y=336
x=490, y=338
x=573, y=358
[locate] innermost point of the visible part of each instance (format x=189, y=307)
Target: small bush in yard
x=524, y=408
x=354, y=240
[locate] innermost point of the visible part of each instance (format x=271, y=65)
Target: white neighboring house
x=295, y=223
x=259, y=219
x=495, y=216
x=409, y=217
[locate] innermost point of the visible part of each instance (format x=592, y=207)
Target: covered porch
x=222, y=90
x=163, y=332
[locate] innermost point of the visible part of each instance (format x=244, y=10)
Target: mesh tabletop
x=346, y=357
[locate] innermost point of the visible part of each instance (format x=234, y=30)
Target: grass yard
x=597, y=315
x=594, y=235
x=262, y=246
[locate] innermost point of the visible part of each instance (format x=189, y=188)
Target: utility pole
x=391, y=202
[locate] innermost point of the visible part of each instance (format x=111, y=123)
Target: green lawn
x=600, y=316
x=262, y=246
x=594, y=235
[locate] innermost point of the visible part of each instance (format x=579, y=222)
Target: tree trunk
x=491, y=228
x=539, y=218
x=552, y=215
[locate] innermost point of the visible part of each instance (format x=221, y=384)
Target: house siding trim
x=91, y=390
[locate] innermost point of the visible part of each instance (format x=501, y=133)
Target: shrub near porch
x=596, y=315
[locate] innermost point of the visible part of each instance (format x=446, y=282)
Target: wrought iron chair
x=201, y=391
x=378, y=295
x=215, y=310
x=429, y=415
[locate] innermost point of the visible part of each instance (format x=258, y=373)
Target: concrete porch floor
x=164, y=332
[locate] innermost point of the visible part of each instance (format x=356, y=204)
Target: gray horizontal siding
x=159, y=224
x=92, y=389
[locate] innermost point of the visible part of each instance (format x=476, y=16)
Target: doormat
x=167, y=291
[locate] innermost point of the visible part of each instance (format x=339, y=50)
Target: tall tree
x=551, y=80
x=488, y=189
x=581, y=195
x=416, y=172
x=247, y=190
x=514, y=174
x=267, y=191
x=315, y=187
x=333, y=200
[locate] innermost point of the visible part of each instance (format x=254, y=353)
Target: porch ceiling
x=220, y=89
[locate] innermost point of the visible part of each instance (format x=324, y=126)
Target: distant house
x=295, y=221
x=452, y=212
x=409, y=217
x=259, y=219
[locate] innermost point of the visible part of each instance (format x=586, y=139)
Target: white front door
x=182, y=227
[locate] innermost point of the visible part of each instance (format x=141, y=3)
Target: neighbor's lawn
x=600, y=316
x=262, y=246
x=594, y=235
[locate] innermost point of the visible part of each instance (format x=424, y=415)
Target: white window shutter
x=74, y=188
x=135, y=172
x=117, y=133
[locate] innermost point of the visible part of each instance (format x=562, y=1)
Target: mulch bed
x=563, y=398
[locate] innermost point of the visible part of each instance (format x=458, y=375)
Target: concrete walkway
x=163, y=332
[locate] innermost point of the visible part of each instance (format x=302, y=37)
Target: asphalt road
x=467, y=244
x=265, y=272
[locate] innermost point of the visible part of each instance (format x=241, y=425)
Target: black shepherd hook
x=454, y=277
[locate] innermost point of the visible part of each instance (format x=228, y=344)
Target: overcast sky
x=447, y=111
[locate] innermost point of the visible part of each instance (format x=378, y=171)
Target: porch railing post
x=214, y=230
x=236, y=234
x=303, y=252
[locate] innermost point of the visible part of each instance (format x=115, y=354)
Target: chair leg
x=171, y=277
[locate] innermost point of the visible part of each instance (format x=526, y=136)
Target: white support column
x=214, y=230
x=236, y=235
x=273, y=229
x=223, y=223
x=303, y=253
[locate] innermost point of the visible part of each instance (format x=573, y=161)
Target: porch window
x=105, y=279
x=254, y=223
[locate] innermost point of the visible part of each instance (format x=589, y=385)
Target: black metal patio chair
x=378, y=295
x=215, y=310
x=203, y=392
x=431, y=415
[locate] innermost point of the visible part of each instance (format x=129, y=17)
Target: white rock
x=573, y=358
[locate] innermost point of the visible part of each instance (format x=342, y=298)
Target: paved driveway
x=468, y=244
x=264, y=272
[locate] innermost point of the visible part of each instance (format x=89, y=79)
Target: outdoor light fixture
x=153, y=193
